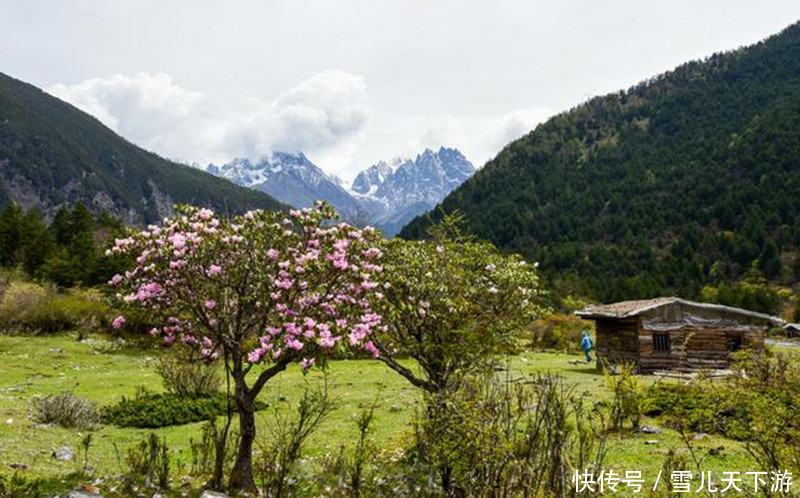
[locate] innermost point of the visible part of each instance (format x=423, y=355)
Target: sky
x=353, y=82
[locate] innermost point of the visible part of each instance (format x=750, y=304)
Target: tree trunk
x=242, y=472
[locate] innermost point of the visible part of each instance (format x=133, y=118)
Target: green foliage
x=19, y=486
x=626, y=404
x=149, y=461
x=68, y=252
x=756, y=296
x=756, y=405
x=66, y=410
x=63, y=153
x=187, y=377
x=453, y=305
x=491, y=438
x=149, y=411
x=558, y=332
x=288, y=434
x=630, y=193
x=31, y=307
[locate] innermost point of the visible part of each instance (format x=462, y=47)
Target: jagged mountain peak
x=405, y=188
x=291, y=177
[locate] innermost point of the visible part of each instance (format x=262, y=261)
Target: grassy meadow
x=104, y=370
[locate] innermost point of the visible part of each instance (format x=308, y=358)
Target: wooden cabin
x=792, y=330
x=670, y=333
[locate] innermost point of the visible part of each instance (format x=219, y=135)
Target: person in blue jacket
x=587, y=344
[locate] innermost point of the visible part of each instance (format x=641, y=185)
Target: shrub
x=213, y=454
x=558, y=332
x=19, y=486
x=150, y=411
x=30, y=307
x=66, y=410
x=186, y=378
x=626, y=405
x=19, y=300
x=149, y=460
x=288, y=435
x=74, y=310
x=491, y=438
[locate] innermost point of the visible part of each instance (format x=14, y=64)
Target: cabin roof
x=628, y=309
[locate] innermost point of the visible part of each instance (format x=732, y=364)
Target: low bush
x=288, y=434
x=191, y=379
x=31, y=307
x=66, y=410
x=738, y=407
x=19, y=301
x=149, y=461
x=75, y=310
x=149, y=411
x=626, y=404
x=558, y=332
x=490, y=438
x=19, y=486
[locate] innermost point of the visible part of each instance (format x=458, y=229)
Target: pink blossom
x=372, y=253
x=255, y=355
x=118, y=322
x=116, y=279
x=205, y=214
x=210, y=304
x=372, y=348
x=272, y=254
x=214, y=270
x=293, y=343
x=306, y=363
x=178, y=240
x=284, y=284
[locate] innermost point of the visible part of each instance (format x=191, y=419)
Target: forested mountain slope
x=52, y=154
x=692, y=177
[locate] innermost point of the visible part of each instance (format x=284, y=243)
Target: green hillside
x=52, y=153
x=692, y=177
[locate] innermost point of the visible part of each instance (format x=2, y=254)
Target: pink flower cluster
x=310, y=282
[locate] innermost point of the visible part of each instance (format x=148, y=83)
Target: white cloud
x=320, y=113
x=478, y=138
x=325, y=116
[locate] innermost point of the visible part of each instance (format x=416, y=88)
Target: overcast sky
x=351, y=82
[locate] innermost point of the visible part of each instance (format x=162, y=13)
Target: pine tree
x=10, y=234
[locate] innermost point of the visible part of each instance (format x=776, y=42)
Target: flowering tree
x=258, y=291
x=452, y=305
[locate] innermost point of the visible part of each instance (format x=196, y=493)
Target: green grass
x=101, y=370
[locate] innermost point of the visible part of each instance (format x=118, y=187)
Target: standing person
x=587, y=344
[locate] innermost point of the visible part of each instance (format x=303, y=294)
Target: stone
x=78, y=493
x=63, y=453
x=18, y=466
x=652, y=441
x=213, y=494
x=650, y=429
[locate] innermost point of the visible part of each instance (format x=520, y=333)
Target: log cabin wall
x=617, y=341
x=674, y=334
x=652, y=359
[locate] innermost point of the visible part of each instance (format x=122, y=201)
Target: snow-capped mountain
x=290, y=178
x=368, y=181
x=397, y=192
x=386, y=195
